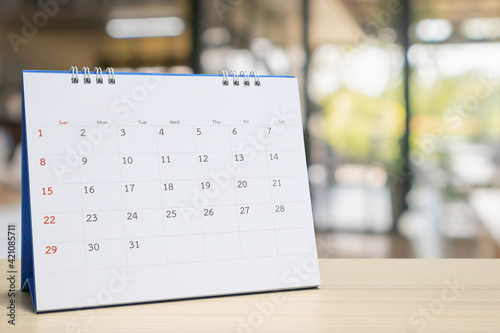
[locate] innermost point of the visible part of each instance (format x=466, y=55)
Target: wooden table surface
x=356, y=295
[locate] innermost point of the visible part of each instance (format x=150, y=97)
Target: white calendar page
x=165, y=187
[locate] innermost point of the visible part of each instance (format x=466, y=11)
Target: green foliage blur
x=365, y=129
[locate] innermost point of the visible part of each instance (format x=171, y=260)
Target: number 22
x=49, y=220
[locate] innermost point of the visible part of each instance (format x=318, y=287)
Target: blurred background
x=400, y=101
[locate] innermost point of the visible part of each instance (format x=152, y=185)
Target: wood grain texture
x=356, y=295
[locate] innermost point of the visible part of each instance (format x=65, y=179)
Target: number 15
x=47, y=191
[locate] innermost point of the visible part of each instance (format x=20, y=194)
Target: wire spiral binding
x=235, y=77
x=97, y=71
x=256, y=77
x=74, y=74
x=86, y=75
x=225, y=80
x=111, y=75
x=246, y=78
x=236, y=81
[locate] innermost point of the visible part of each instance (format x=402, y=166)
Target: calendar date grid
x=90, y=189
x=55, y=272
x=165, y=180
x=156, y=208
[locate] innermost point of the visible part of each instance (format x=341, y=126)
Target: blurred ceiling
x=453, y=10
x=74, y=34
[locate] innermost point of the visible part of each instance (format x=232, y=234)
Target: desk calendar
x=150, y=187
